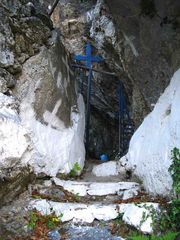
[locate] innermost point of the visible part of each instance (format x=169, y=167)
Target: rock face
x=46, y=90
x=41, y=117
x=139, y=42
x=15, y=147
x=143, y=41
x=74, y=19
x=149, y=154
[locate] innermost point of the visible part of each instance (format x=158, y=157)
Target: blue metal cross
x=88, y=58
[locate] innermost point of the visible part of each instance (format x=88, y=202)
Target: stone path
x=80, y=203
x=92, y=200
x=85, y=233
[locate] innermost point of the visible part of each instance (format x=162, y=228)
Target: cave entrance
x=108, y=123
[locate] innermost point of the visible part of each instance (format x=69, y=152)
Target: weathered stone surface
x=141, y=45
x=142, y=48
x=75, y=27
x=15, y=148
x=78, y=212
x=21, y=36
x=6, y=80
x=133, y=215
x=14, y=183
x=11, y=129
x=44, y=128
x=149, y=155
x=106, y=169
x=50, y=110
x=96, y=188
x=89, y=233
x=22, y=33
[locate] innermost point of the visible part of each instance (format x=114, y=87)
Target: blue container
x=104, y=157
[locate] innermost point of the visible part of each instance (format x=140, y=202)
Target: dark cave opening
x=111, y=126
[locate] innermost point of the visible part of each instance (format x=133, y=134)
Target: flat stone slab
x=97, y=189
x=78, y=212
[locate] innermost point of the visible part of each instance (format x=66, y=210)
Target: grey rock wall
x=41, y=116
x=139, y=42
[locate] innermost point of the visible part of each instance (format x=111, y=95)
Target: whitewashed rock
x=133, y=215
x=75, y=187
x=14, y=138
x=78, y=212
x=50, y=110
x=150, y=147
x=106, y=169
x=104, y=212
x=130, y=193
x=96, y=189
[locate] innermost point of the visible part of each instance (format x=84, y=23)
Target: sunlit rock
x=86, y=213
x=50, y=110
x=106, y=169
x=96, y=188
x=150, y=148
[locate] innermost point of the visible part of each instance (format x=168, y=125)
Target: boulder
x=50, y=110
x=149, y=154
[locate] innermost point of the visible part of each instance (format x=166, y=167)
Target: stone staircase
x=82, y=201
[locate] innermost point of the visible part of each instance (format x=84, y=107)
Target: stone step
x=123, y=189
x=86, y=213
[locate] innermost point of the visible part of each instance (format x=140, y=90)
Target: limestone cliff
x=139, y=42
x=41, y=115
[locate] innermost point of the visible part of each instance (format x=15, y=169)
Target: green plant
x=174, y=208
x=75, y=170
x=175, y=170
x=35, y=219
x=77, y=197
x=118, y=220
x=167, y=236
x=169, y=218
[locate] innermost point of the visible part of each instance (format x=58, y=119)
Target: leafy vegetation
x=75, y=170
x=175, y=171
x=167, y=236
x=169, y=217
x=36, y=219
x=167, y=221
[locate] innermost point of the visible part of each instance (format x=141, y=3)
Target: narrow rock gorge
x=46, y=165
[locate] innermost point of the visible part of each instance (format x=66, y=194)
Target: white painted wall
x=150, y=147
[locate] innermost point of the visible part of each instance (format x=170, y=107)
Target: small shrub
x=75, y=170
x=169, y=218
